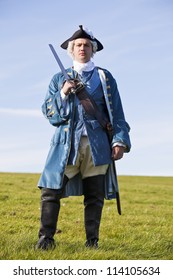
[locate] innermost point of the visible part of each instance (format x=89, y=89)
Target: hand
x=117, y=152
x=68, y=87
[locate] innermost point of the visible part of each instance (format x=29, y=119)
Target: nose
x=82, y=47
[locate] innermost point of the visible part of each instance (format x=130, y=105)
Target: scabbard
x=116, y=188
x=118, y=203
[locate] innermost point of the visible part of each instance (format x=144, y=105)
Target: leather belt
x=91, y=109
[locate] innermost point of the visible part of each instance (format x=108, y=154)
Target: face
x=82, y=50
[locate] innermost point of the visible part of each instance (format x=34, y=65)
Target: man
x=81, y=150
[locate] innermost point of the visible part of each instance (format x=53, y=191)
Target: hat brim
x=81, y=34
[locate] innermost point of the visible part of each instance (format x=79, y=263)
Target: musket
x=91, y=108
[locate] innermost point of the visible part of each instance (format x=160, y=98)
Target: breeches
x=84, y=163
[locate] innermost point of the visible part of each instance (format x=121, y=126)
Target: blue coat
x=52, y=175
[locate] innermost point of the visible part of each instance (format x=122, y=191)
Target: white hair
x=71, y=46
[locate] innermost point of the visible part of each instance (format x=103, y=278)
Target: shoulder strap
x=105, y=85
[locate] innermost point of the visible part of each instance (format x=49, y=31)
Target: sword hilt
x=78, y=88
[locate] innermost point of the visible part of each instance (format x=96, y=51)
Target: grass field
x=144, y=231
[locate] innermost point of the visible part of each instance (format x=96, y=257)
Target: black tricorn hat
x=81, y=33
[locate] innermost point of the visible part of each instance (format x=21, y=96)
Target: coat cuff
x=118, y=144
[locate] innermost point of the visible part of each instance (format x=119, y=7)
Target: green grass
x=143, y=231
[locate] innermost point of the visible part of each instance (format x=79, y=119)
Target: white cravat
x=80, y=67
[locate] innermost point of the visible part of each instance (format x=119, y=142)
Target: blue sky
x=138, y=50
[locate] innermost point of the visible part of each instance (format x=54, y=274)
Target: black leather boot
x=93, y=202
x=50, y=206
